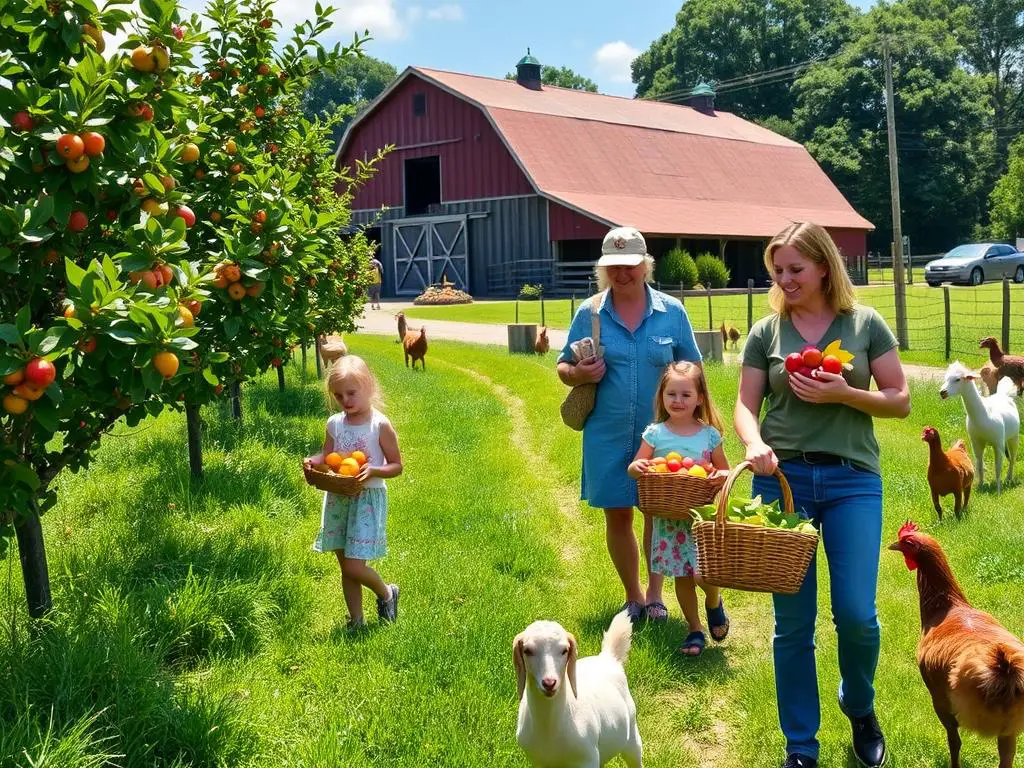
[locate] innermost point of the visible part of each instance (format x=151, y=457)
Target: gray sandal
x=387, y=610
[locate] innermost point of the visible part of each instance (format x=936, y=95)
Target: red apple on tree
x=40, y=373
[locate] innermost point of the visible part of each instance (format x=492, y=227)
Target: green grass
x=974, y=314
x=195, y=626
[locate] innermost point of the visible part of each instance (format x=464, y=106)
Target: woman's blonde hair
x=816, y=244
x=706, y=412
x=350, y=367
x=601, y=274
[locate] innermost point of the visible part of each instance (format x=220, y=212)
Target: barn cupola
x=702, y=98
x=528, y=72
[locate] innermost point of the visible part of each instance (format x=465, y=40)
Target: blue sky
x=597, y=38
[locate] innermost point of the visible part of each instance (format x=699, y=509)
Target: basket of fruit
x=672, y=486
x=338, y=473
x=745, y=544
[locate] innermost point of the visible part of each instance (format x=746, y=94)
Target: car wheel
x=1018, y=276
x=977, y=278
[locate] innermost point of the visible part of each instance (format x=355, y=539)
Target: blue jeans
x=845, y=504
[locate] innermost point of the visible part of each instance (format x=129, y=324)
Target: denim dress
x=634, y=363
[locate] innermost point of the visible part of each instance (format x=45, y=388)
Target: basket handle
x=723, y=497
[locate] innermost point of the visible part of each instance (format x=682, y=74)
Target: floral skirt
x=357, y=525
x=673, y=550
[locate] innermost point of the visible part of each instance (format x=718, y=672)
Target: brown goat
x=989, y=376
x=402, y=327
x=331, y=348
x=1006, y=365
x=542, y=345
x=415, y=345
x=734, y=335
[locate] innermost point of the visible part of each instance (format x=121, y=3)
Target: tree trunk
x=32, y=552
x=195, y=439
x=280, y=377
x=316, y=349
x=236, y=399
x=303, y=362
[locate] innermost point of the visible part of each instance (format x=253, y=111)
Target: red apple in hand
x=794, y=362
x=806, y=371
x=811, y=356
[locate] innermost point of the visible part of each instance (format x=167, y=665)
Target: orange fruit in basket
x=658, y=460
x=348, y=470
x=359, y=456
x=349, y=461
x=333, y=460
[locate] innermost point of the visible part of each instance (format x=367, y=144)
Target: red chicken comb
x=907, y=529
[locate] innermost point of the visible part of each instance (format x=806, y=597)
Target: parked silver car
x=975, y=263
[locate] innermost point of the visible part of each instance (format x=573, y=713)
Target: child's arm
x=389, y=445
x=642, y=460
x=719, y=460
x=319, y=458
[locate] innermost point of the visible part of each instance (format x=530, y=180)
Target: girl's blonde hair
x=706, y=412
x=816, y=244
x=603, y=282
x=350, y=367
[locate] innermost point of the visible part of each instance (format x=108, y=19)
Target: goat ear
x=520, y=665
x=971, y=376
x=571, y=665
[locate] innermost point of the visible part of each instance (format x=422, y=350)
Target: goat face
x=545, y=654
x=957, y=377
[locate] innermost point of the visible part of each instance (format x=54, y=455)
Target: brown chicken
x=949, y=472
x=734, y=335
x=415, y=346
x=973, y=667
x=1006, y=365
x=542, y=345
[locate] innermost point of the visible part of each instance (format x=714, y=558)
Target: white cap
x=623, y=247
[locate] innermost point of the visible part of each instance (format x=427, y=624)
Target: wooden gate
x=427, y=249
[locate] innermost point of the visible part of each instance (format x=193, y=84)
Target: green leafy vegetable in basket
x=756, y=512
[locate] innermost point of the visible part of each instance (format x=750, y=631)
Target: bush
x=712, y=271
x=531, y=292
x=677, y=266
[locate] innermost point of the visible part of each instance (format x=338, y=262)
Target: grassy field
x=974, y=314
x=195, y=627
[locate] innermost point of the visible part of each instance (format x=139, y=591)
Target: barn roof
x=662, y=168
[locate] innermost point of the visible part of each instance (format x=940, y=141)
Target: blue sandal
x=656, y=612
x=634, y=610
x=693, y=640
x=718, y=619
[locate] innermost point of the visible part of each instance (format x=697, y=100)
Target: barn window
x=419, y=104
x=422, y=184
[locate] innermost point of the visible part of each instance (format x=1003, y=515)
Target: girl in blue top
x=686, y=423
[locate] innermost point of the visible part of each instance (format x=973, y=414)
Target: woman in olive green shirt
x=819, y=429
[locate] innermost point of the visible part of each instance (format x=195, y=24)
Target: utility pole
x=897, y=223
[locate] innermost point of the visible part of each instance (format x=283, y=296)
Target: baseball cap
x=622, y=247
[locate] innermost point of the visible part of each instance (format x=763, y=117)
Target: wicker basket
x=673, y=495
x=749, y=557
x=343, y=485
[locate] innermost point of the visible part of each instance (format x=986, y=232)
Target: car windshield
x=973, y=251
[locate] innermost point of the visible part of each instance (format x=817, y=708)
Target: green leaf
x=51, y=341
x=211, y=379
x=124, y=335
x=23, y=320
x=183, y=343
x=75, y=274
x=24, y=475
x=219, y=357
x=232, y=326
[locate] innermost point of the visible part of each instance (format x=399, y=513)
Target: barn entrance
x=427, y=250
x=422, y=185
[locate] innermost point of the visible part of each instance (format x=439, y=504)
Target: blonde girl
x=354, y=528
x=687, y=423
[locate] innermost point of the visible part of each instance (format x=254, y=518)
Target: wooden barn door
x=427, y=249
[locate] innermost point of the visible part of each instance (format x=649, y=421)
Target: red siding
x=475, y=165
x=852, y=243
x=565, y=224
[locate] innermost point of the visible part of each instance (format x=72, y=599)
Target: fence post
x=542, y=310
x=949, y=338
x=750, y=304
x=682, y=296
x=517, y=311
x=711, y=319
x=572, y=306
x=1006, y=314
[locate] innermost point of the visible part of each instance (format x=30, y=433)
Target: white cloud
x=379, y=16
x=446, y=12
x=612, y=61
x=414, y=14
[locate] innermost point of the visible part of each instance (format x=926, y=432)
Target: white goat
x=593, y=725
x=992, y=420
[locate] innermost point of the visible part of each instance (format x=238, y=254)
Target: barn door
x=427, y=250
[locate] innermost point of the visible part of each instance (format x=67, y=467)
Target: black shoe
x=868, y=741
x=800, y=761
x=387, y=610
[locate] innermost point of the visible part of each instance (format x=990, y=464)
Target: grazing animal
x=542, y=345
x=402, y=329
x=331, y=348
x=415, y=345
x=973, y=667
x=725, y=335
x=949, y=472
x=1006, y=365
x=989, y=376
x=734, y=335
x=991, y=420
x=575, y=714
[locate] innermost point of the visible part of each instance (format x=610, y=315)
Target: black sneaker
x=387, y=610
x=800, y=761
x=868, y=741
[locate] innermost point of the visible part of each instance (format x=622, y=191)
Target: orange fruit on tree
x=359, y=456
x=220, y=282
x=70, y=146
x=142, y=59
x=232, y=273
x=69, y=312
x=15, y=405
x=78, y=164
x=154, y=207
x=333, y=460
x=255, y=289
x=14, y=378
x=94, y=143
x=230, y=147
x=161, y=58
x=166, y=364
x=189, y=153
x=236, y=291
x=185, y=316
x=28, y=392
x=166, y=275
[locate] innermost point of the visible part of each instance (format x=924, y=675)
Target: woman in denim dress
x=642, y=331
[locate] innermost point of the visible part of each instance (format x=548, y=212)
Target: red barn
x=497, y=183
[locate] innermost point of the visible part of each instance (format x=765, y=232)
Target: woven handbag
x=580, y=401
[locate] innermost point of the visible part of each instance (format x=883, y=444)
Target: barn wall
x=566, y=224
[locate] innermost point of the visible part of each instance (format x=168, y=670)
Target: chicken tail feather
x=1000, y=674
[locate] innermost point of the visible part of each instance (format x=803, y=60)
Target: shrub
x=677, y=266
x=531, y=292
x=712, y=271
